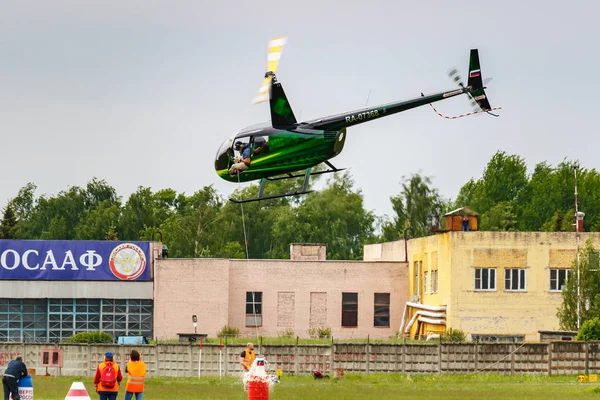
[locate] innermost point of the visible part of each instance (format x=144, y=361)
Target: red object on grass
x=258, y=389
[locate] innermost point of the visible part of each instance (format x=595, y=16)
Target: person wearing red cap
x=107, y=379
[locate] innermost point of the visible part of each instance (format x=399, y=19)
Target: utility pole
x=577, y=238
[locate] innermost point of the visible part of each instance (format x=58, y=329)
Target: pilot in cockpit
x=261, y=146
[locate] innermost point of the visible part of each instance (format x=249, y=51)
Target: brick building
x=272, y=297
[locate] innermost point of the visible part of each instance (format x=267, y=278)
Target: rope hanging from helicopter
x=248, y=257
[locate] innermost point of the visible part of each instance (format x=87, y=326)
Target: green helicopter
x=279, y=149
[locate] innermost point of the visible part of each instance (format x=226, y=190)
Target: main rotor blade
x=273, y=56
x=263, y=91
x=274, y=52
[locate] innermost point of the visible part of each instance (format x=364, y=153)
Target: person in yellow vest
x=107, y=378
x=247, y=357
x=136, y=370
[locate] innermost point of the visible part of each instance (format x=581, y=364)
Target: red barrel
x=258, y=390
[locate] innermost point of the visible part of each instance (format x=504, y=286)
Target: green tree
x=501, y=217
x=98, y=222
x=24, y=202
x=259, y=218
x=589, y=304
x=588, y=187
x=504, y=179
x=193, y=230
x=111, y=234
x=590, y=330
x=468, y=194
x=334, y=216
x=57, y=229
x=60, y=216
x=145, y=211
x=137, y=214
x=418, y=206
x=560, y=222
x=9, y=227
x=56, y=217
x=541, y=200
x=98, y=192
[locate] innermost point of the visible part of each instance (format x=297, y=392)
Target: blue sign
x=67, y=260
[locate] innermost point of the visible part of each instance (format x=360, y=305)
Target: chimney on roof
x=308, y=252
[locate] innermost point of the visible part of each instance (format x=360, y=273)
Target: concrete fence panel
x=385, y=358
x=494, y=357
x=314, y=357
x=594, y=357
x=209, y=363
x=458, y=357
x=183, y=359
x=568, y=357
x=282, y=357
x=531, y=358
x=420, y=358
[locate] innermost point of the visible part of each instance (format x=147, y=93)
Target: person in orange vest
x=136, y=370
x=247, y=357
x=107, y=378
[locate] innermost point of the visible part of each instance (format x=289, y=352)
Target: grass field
x=376, y=386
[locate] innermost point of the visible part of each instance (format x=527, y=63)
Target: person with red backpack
x=107, y=379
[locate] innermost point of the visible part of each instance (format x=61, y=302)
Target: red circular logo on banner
x=127, y=261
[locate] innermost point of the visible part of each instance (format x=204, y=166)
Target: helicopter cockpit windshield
x=224, y=155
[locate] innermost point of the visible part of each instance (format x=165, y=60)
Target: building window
x=514, y=279
x=381, y=316
x=253, y=308
x=119, y=317
x=434, y=281
x=558, y=278
x=417, y=287
x=350, y=309
x=485, y=279
x=52, y=320
x=425, y=282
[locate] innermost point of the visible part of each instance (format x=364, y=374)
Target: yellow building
x=491, y=285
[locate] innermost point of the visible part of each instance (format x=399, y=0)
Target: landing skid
x=279, y=196
x=290, y=175
x=307, y=175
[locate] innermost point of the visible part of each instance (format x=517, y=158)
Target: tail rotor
x=475, y=88
x=453, y=74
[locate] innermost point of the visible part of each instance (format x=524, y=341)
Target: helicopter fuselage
x=285, y=151
x=306, y=144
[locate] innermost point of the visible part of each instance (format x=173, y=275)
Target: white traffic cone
x=78, y=392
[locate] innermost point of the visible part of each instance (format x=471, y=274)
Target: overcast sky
x=144, y=92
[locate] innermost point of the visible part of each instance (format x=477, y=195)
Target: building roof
x=461, y=211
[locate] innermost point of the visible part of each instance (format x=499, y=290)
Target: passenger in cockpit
x=244, y=159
